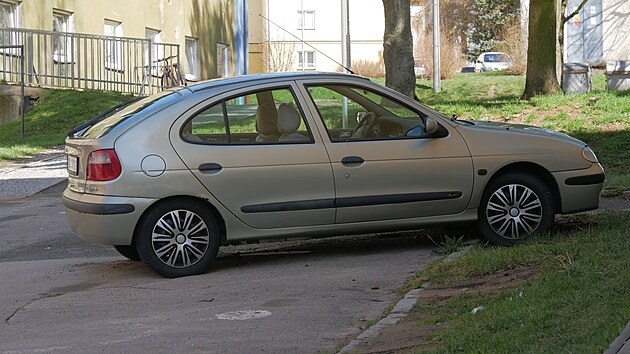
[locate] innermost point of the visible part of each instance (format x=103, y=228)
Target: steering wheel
x=365, y=125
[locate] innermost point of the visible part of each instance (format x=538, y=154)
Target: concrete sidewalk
x=25, y=177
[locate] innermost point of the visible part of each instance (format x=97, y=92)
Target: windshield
x=496, y=58
x=116, y=117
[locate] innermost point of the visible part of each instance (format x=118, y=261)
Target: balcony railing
x=85, y=61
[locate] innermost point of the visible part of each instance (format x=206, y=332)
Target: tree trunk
x=541, y=52
x=398, y=47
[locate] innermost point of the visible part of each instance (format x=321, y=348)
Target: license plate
x=73, y=165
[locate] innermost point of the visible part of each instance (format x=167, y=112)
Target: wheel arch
x=215, y=212
x=535, y=170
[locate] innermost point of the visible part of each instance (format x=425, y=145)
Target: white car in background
x=492, y=61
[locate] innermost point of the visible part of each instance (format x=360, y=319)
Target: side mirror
x=431, y=126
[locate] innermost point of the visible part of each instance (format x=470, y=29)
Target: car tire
x=178, y=238
x=515, y=207
x=129, y=252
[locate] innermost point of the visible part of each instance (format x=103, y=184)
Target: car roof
x=254, y=78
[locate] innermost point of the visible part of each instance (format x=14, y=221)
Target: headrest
x=288, y=119
x=266, y=120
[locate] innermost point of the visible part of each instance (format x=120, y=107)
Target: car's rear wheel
x=514, y=207
x=178, y=238
x=129, y=252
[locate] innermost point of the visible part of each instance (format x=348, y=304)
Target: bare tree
x=563, y=20
x=398, y=47
x=278, y=56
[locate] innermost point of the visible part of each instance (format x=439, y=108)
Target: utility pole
x=436, y=46
x=302, y=20
x=345, y=50
x=345, y=34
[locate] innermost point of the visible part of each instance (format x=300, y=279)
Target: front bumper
x=104, y=219
x=580, y=189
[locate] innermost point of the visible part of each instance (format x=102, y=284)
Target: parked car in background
x=492, y=61
x=419, y=69
x=171, y=177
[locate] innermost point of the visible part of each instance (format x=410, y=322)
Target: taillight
x=103, y=165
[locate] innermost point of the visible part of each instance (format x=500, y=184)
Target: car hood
x=517, y=142
x=522, y=129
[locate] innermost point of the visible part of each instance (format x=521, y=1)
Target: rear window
x=118, y=116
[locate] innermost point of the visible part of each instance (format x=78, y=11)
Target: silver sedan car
x=171, y=177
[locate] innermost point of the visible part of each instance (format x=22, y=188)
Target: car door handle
x=210, y=168
x=352, y=161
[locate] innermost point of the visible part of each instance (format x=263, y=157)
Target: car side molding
x=348, y=202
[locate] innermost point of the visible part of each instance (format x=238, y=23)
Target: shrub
x=451, y=57
x=511, y=43
x=369, y=68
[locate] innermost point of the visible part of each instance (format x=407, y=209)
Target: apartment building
x=204, y=36
x=307, y=34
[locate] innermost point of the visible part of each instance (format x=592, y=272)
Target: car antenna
x=299, y=39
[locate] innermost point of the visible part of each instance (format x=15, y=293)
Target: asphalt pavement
x=26, y=177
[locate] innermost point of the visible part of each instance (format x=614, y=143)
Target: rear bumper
x=580, y=189
x=104, y=219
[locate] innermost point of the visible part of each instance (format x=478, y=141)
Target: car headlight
x=589, y=155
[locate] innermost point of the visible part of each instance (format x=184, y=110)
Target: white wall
x=367, y=25
x=616, y=21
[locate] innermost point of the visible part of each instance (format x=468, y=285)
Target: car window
x=354, y=114
x=270, y=116
x=126, y=112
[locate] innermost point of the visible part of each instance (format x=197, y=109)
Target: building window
x=223, y=64
x=310, y=60
x=306, y=20
x=62, y=42
x=9, y=18
x=192, y=59
x=156, y=54
x=113, y=46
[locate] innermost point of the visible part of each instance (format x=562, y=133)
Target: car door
x=255, y=153
x=385, y=165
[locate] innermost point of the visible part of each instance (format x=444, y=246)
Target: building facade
x=201, y=35
x=599, y=33
x=307, y=34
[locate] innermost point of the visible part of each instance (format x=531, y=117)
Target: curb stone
x=402, y=309
x=621, y=345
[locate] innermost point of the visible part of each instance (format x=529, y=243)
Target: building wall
x=616, y=22
x=208, y=21
x=367, y=25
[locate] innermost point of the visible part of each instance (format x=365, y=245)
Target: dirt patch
x=491, y=91
x=406, y=335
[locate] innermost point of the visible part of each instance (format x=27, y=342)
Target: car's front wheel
x=178, y=238
x=514, y=207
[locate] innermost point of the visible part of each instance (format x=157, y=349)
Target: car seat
x=289, y=121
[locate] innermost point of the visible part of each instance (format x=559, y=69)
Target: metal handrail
x=84, y=61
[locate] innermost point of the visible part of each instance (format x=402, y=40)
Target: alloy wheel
x=180, y=238
x=514, y=211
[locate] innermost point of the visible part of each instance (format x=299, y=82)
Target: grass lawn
x=566, y=292
x=54, y=113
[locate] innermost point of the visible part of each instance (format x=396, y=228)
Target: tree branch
x=565, y=19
